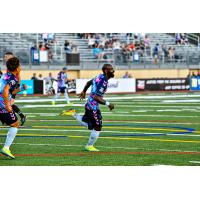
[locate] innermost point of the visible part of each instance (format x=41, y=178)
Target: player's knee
x=15, y=124
x=12, y=101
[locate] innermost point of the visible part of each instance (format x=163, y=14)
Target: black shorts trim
x=62, y=90
x=8, y=118
x=93, y=119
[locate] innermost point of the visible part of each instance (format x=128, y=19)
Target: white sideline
x=112, y=98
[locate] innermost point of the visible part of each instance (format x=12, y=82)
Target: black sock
x=17, y=110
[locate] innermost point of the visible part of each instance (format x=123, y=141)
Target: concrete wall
x=141, y=73
x=136, y=73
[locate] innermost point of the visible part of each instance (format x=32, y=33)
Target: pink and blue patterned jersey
x=99, y=87
x=7, y=78
x=61, y=79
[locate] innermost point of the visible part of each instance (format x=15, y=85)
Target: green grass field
x=143, y=130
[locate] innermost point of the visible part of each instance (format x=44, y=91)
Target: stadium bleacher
x=20, y=44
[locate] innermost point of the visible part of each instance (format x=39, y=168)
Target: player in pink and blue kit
x=8, y=84
x=92, y=117
x=62, y=87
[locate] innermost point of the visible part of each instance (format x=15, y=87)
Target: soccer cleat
x=23, y=120
x=53, y=103
x=69, y=112
x=90, y=148
x=7, y=152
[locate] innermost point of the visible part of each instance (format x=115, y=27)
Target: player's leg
x=66, y=96
x=57, y=95
x=18, y=111
x=11, y=120
x=79, y=118
x=96, y=124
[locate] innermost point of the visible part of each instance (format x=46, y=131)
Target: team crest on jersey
x=12, y=82
x=101, y=90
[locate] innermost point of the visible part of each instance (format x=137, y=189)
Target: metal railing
x=186, y=60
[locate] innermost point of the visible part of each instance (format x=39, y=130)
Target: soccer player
x=92, y=118
x=62, y=88
x=8, y=83
x=16, y=109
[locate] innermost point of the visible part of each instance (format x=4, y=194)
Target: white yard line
x=51, y=106
x=169, y=110
x=107, y=147
x=114, y=98
x=81, y=130
x=171, y=116
x=182, y=101
x=197, y=162
x=133, y=122
x=121, y=115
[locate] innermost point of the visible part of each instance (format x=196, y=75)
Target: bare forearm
x=5, y=96
x=99, y=100
x=16, y=91
x=88, y=84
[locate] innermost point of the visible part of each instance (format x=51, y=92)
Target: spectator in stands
x=126, y=75
x=171, y=54
x=193, y=74
x=155, y=53
x=184, y=39
x=40, y=77
x=91, y=41
x=45, y=37
x=48, y=47
x=165, y=51
x=198, y=72
x=131, y=46
x=42, y=47
x=97, y=38
x=67, y=47
x=34, y=77
x=74, y=48
x=116, y=45
x=97, y=51
x=178, y=38
x=146, y=41
x=33, y=48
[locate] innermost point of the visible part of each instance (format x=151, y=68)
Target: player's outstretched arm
x=83, y=93
x=5, y=97
x=100, y=100
x=19, y=89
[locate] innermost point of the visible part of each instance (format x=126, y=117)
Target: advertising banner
x=168, y=84
x=195, y=83
x=30, y=87
x=123, y=85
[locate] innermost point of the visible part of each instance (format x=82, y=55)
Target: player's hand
x=82, y=95
x=24, y=86
x=9, y=108
x=111, y=106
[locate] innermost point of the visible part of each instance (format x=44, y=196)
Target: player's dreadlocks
x=105, y=66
